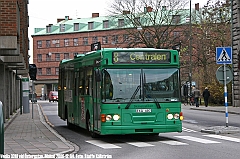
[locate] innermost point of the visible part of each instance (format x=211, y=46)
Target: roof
x=98, y=22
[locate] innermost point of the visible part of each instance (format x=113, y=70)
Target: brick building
x=69, y=37
x=14, y=46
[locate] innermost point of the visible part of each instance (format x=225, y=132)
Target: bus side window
x=81, y=83
x=88, y=84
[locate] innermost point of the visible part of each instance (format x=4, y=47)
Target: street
x=191, y=143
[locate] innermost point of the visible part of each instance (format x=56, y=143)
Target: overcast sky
x=44, y=12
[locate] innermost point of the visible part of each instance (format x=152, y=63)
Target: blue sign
x=224, y=55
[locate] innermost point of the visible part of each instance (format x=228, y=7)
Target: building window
x=105, y=24
x=104, y=39
x=39, y=57
x=120, y=22
x=176, y=34
x=94, y=39
x=48, y=43
x=75, y=41
x=85, y=41
x=148, y=35
x=56, y=42
x=165, y=33
x=75, y=54
x=57, y=57
x=48, y=29
x=66, y=55
x=76, y=26
x=66, y=42
x=62, y=27
x=56, y=70
x=114, y=39
x=137, y=21
x=137, y=37
x=90, y=25
x=176, y=19
x=39, y=44
x=125, y=37
x=48, y=71
x=39, y=71
x=48, y=57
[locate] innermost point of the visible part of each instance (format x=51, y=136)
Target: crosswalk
x=175, y=140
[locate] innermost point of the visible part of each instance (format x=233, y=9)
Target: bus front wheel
x=88, y=126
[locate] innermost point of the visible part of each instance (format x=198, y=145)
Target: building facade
x=236, y=51
x=74, y=36
x=14, y=46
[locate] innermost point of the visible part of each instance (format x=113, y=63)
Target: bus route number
x=143, y=110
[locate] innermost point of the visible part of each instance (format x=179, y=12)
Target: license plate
x=143, y=110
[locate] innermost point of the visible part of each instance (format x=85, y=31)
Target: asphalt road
x=189, y=144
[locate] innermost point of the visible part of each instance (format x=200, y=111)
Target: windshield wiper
x=153, y=96
x=133, y=96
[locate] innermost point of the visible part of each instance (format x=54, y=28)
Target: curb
x=73, y=148
x=221, y=111
x=221, y=130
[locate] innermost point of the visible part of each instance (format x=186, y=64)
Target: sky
x=44, y=12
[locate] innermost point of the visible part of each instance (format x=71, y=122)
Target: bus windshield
x=145, y=85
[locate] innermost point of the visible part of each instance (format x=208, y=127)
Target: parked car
x=53, y=96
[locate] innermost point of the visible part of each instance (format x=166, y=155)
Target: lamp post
x=190, y=48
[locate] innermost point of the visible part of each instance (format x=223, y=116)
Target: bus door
x=96, y=102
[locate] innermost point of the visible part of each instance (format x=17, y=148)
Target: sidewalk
x=33, y=136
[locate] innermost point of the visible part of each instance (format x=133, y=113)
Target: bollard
x=1, y=129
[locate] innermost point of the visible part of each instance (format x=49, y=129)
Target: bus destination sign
x=140, y=57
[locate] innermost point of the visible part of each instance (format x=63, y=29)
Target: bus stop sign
x=220, y=74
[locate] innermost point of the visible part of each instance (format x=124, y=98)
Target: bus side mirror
x=98, y=75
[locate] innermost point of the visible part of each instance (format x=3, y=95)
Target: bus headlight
x=116, y=117
x=108, y=117
x=170, y=116
x=176, y=116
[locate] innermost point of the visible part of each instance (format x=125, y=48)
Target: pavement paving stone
x=29, y=133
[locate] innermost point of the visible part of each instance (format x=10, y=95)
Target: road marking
x=140, y=144
x=191, y=121
x=188, y=130
x=103, y=144
x=136, y=143
x=204, y=141
x=172, y=142
x=224, y=138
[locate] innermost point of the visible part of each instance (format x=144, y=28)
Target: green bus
x=121, y=91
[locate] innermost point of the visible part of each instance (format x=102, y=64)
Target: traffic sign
x=224, y=55
x=220, y=74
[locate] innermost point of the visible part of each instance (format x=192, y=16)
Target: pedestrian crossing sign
x=224, y=55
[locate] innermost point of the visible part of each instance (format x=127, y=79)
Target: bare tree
x=150, y=23
x=212, y=30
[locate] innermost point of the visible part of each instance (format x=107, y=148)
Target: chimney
x=59, y=20
x=126, y=12
x=197, y=6
x=149, y=9
x=94, y=15
x=66, y=17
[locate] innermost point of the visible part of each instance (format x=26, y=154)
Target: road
x=191, y=143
